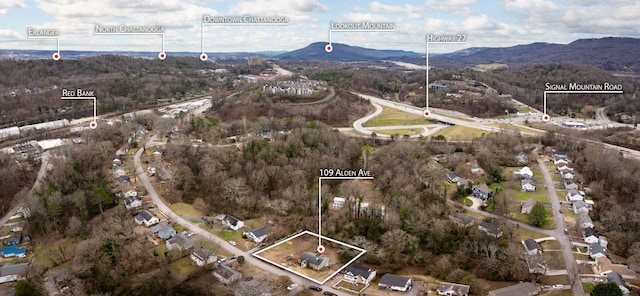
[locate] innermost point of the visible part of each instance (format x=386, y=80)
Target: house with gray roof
x=531, y=246
x=179, y=243
x=614, y=277
x=462, y=219
x=490, y=229
x=11, y=272
x=527, y=205
x=313, y=260
x=232, y=222
x=596, y=251
x=146, y=218
x=482, y=191
x=202, y=257
x=451, y=289
x=358, y=274
x=163, y=230
x=259, y=234
x=226, y=274
x=394, y=283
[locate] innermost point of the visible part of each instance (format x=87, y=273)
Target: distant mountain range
x=343, y=52
x=611, y=54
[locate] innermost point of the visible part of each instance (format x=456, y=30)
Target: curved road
x=208, y=235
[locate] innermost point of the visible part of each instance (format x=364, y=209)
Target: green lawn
x=401, y=132
x=183, y=267
x=184, y=209
x=460, y=132
x=390, y=116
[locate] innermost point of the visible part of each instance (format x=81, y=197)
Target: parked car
x=292, y=286
x=233, y=243
x=327, y=293
x=558, y=287
x=315, y=288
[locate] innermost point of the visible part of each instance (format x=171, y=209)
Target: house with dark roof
x=358, y=274
x=202, y=257
x=490, y=229
x=531, y=246
x=146, y=218
x=124, y=180
x=452, y=178
x=521, y=289
x=614, y=277
x=394, y=283
x=226, y=274
x=596, y=251
x=132, y=202
x=589, y=235
x=482, y=191
x=312, y=260
x=232, y=222
x=580, y=206
x=14, y=239
x=259, y=234
x=179, y=242
x=18, y=226
x=451, y=289
x=462, y=219
x=13, y=272
x=569, y=184
x=163, y=230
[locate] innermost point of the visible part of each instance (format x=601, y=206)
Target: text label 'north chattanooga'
x=344, y=173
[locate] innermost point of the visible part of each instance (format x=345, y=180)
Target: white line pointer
x=94, y=123
x=546, y=117
x=457, y=39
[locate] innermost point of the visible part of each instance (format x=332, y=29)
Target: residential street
x=210, y=236
x=569, y=259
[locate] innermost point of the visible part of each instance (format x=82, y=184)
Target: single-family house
x=585, y=220
x=477, y=170
x=130, y=193
x=558, y=161
x=163, y=230
x=569, y=184
x=14, y=251
x=158, y=153
x=312, y=260
x=459, y=155
x=614, y=277
x=522, y=158
x=589, y=235
x=527, y=185
x=13, y=272
x=119, y=171
x=462, y=219
x=18, y=226
x=453, y=178
x=521, y=289
x=527, y=205
x=117, y=160
x=596, y=251
x=482, y=191
x=123, y=180
x=146, y=218
x=604, y=266
x=580, y=206
x=179, y=242
x=13, y=239
x=532, y=247
x=394, y=283
x=565, y=166
x=338, y=202
x=202, y=257
x=603, y=242
x=525, y=172
x=490, y=229
x=559, y=155
x=132, y=202
x=232, y=222
x=358, y=274
x=226, y=274
x=259, y=234
x=451, y=289
x=574, y=195
x=566, y=174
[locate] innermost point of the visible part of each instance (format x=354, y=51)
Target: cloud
x=6, y=4
x=9, y=35
x=456, y=7
x=296, y=10
x=361, y=17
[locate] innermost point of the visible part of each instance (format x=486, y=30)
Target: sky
x=487, y=23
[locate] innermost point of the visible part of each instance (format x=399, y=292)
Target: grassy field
x=514, y=127
x=391, y=116
x=401, y=132
x=47, y=253
x=183, y=267
x=457, y=132
x=184, y=209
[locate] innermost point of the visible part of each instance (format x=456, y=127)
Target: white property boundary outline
x=426, y=111
x=322, y=282
x=546, y=117
x=94, y=123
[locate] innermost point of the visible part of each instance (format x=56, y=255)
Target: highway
x=208, y=235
